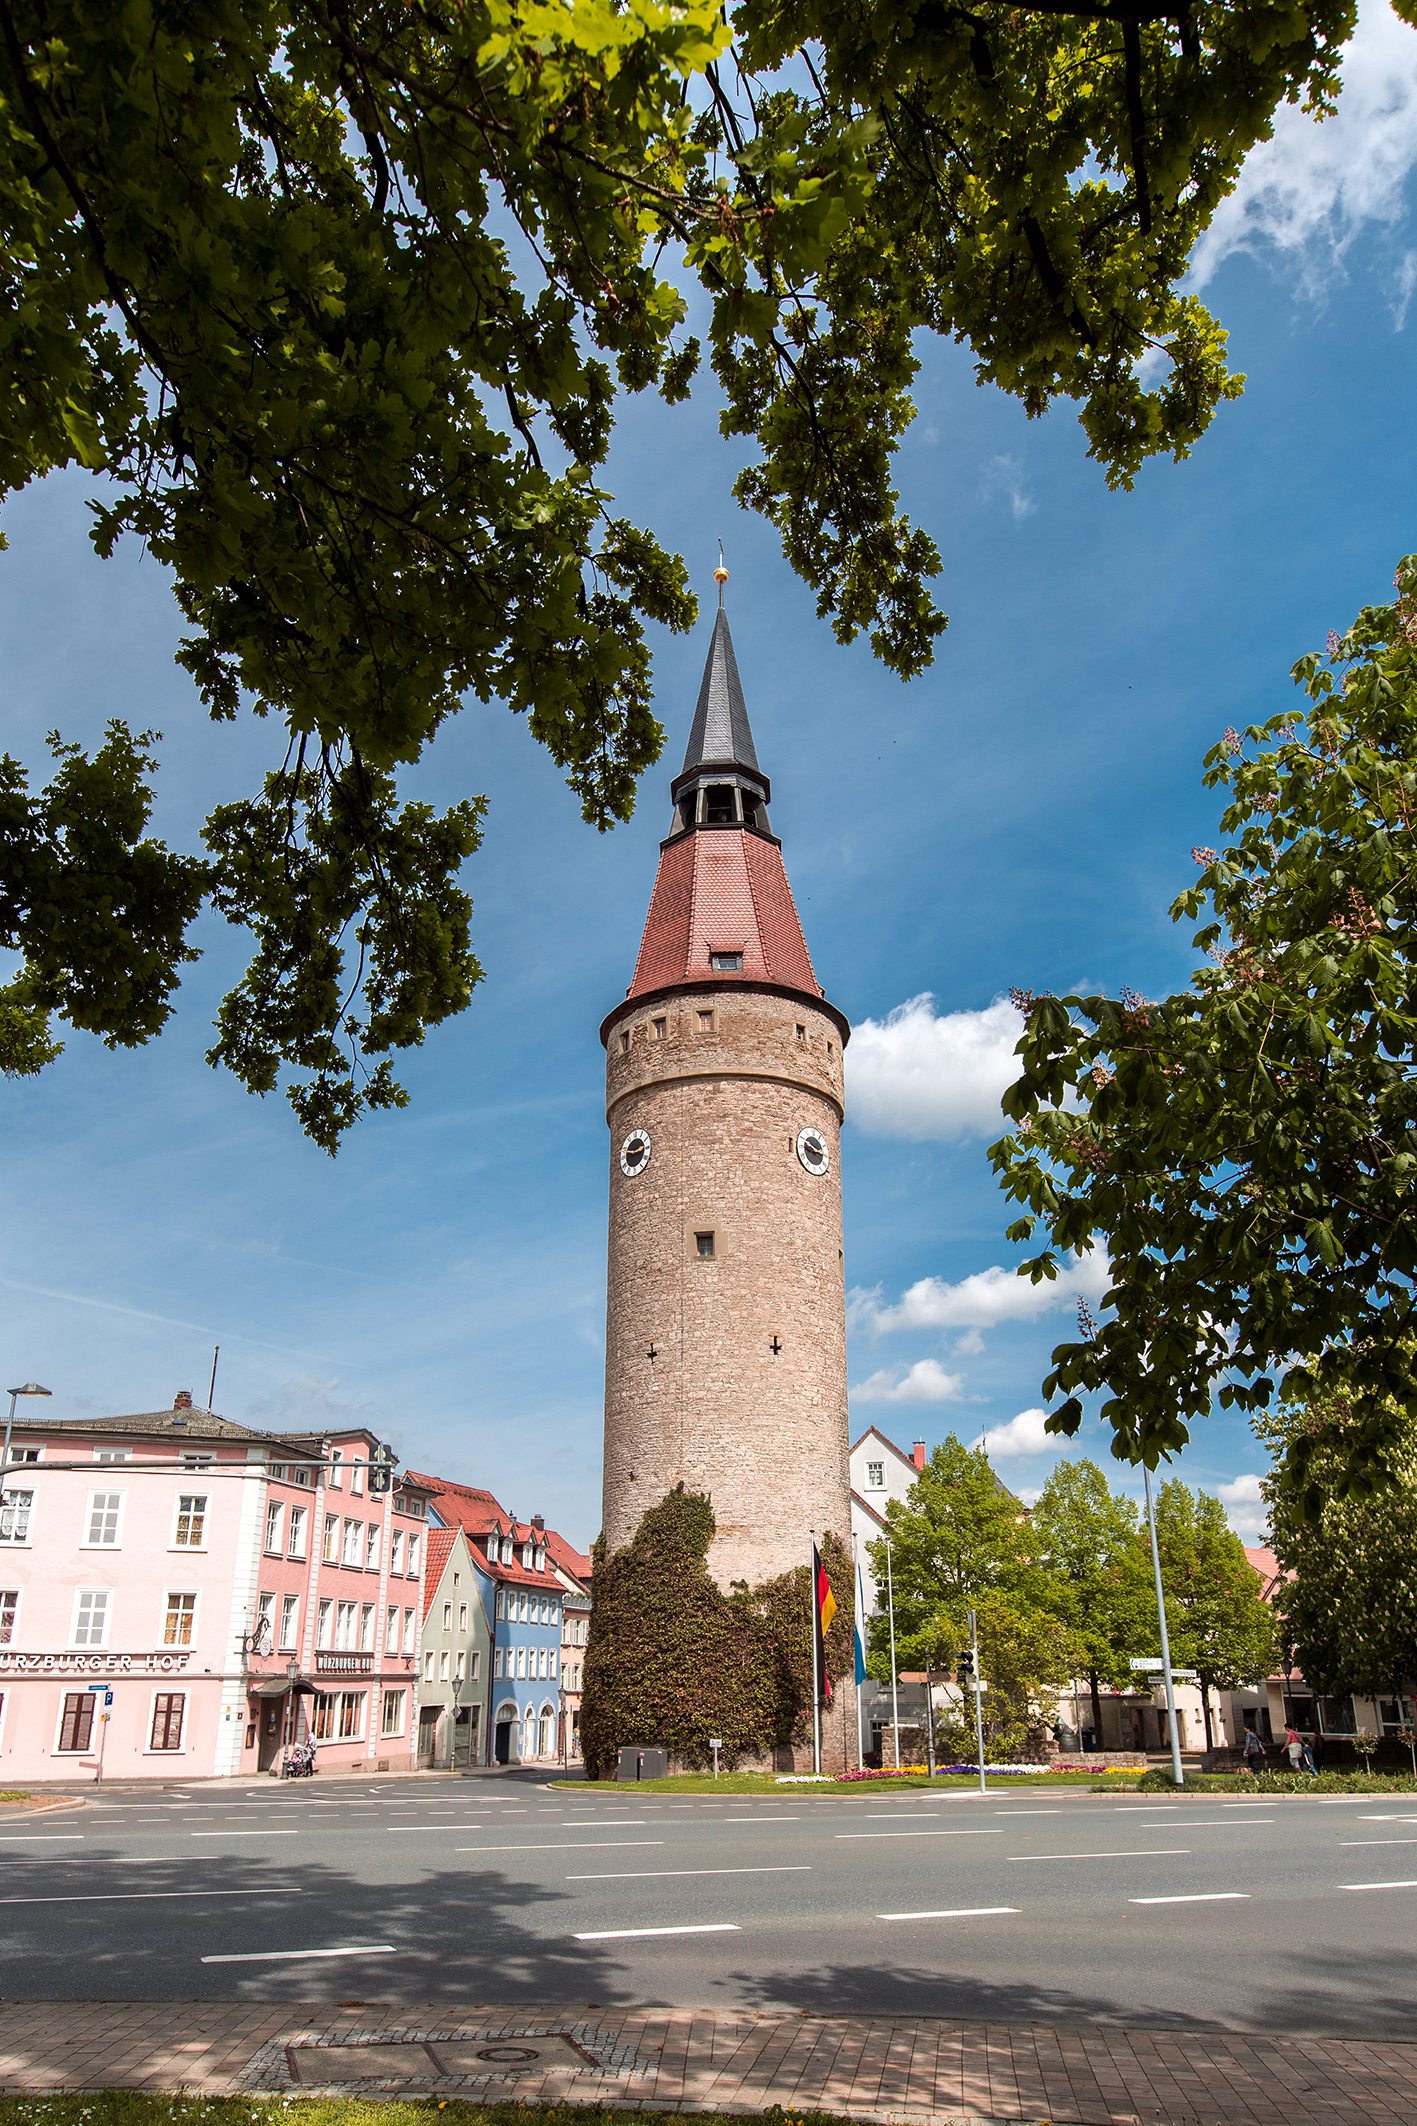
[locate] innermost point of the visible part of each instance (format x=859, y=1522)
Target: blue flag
x=860, y=1649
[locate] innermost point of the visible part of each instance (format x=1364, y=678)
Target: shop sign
x=87, y=1664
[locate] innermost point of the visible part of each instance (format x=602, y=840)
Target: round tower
x=725, y=1363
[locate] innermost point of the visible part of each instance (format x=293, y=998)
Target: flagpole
x=860, y=1605
x=816, y=1688
x=895, y=1698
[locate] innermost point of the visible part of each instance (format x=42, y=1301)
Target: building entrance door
x=504, y=1742
x=465, y=1725
x=272, y=1721
x=427, y=1734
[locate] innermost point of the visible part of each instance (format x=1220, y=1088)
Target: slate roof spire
x=720, y=735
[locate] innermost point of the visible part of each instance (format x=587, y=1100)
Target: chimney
x=182, y=1400
x=538, y=1520
x=917, y=1454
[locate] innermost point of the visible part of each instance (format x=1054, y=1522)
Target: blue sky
x=1021, y=815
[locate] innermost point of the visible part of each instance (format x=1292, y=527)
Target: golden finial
x=720, y=574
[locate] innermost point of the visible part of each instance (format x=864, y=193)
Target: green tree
x=1217, y=1619
x=960, y=1542
x=1247, y=1149
x=342, y=301
x=1350, y=1609
x=1094, y=1576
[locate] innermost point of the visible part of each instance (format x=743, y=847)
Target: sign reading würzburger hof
x=69, y=1664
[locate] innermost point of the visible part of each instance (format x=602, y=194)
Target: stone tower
x=725, y=1361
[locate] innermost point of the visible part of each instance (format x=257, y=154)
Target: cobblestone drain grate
x=448, y=2057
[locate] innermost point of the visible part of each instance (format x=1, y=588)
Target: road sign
x=1145, y=1661
x=107, y=1693
x=1157, y=1668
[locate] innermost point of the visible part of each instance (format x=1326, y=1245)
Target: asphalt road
x=1287, y=1914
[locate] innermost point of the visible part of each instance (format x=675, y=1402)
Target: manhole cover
x=511, y=2054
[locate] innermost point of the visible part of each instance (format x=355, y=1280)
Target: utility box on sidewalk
x=638, y=1763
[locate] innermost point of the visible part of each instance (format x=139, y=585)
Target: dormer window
x=726, y=962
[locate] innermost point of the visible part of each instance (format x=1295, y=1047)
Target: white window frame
x=171, y=1594
x=19, y=1594
x=398, y=1696
x=373, y=1544
x=412, y=1570
x=368, y=1626
x=462, y=1616
x=391, y=1629
x=275, y=1528
x=299, y=1521
x=460, y=1665
x=497, y=1665
x=90, y=1748
x=443, y=1666
x=346, y=1626
x=12, y=1495
x=329, y=1540
x=185, y=1743
x=324, y=1622
x=356, y=1477
x=206, y=1499
x=100, y=1644
x=409, y=1631
x=476, y=1676
x=521, y=1665
x=112, y=1457
x=875, y=1476
x=333, y=1472
x=428, y=1665
x=351, y=1540
x=447, y=1616
x=396, y=1552
x=86, y=1541
x=289, y=1615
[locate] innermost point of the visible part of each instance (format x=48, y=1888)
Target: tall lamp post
x=1177, y=1774
x=31, y=1387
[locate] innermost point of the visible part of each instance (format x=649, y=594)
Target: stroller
x=299, y=1761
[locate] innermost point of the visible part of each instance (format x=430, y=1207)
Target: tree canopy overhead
x=1247, y=1149
x=342, y=298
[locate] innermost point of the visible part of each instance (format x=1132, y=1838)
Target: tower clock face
x=634, y=1152
x=814, y=1151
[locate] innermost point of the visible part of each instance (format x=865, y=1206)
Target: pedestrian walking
x=1294, y=1747
x=1254, y=1751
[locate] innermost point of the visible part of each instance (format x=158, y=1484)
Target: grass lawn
x=138, y=2107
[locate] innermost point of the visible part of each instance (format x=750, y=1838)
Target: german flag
x=823, y=1610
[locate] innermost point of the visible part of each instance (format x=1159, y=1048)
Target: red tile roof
x=435, y=1562
x=722, y=890
x=575, y=1562
x=477, y=1512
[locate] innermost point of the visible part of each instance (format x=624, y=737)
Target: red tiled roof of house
x=477, y=1513
x=440, y=1547
x=575, y=1562
x=1272, y=1574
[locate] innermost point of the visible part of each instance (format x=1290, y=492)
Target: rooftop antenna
x=211, y=1392
x=720, y=575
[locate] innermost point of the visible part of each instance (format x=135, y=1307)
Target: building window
x=76, y=1726
x=499, y=1606
x=322, y=1718
x=624, y=1044
x=289, y=1616
x=659, y=1029
x=408, y=1631
x=875, y=1475
x=336, y=1457
x=331, y=1549
x=353, y=1530
x=196, y=1460
x=705, y=1022
x=460, y=1666
x=462, y=1616
x=356, y=1475
x=344, y=1626
x=831, y=1051
x=802, y=1037
x=9, y=1610
x=497, y=1665
x=428, y=1665
x=105, y=1511
x=521, y=1662
x=413, y=1557
x=177, y=1624
x=15, y=1510
x=322, y=1622
x=396, y=1551
x=371, y=1546
x=366, y=1627
x=443, y=1666
x=704, y=1243
x=391, y=1722
x=274, y=1513
x=297, y=1531
x=447, y=1616
x=726, y=962
x=191, y=1520
x=101, y=1454
x=351, y=1715
x=168, y=1709
x=90, y=1617
x=391, y=1631
x=476, y=1665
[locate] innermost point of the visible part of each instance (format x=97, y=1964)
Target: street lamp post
x=31, y=1387
x=1176, y=1773
x=453, y=1730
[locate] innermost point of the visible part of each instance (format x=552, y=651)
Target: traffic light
x=382, y=1460
x=964, y=1668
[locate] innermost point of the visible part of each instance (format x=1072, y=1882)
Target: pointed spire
x=720, y=736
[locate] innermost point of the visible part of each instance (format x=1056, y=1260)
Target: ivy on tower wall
x=672, y=1660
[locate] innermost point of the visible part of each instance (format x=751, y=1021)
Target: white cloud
x=925, y=1382
x=912, y=1074
x=969, y=1345
x=1022, y=1435
x=1006, y=476
x=1308, y=192
x=983, y=1300
x=1249, y=1515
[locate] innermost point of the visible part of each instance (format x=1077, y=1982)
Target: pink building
x=234, y=1591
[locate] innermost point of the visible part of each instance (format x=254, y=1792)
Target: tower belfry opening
x=725, y=1097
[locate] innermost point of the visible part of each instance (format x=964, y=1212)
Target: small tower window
x=625, y=1042
x=726, y=962
x=705, y=1022
x=802, y=1036
x=660, y=1030
x=719, y=808
x=704, y=1244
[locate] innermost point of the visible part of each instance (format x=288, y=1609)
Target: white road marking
x=891, y=1817
x=959, y=1912
x=761, y=1819
x=1377, y=1841
x=1137, y=1853
x=588, y=1845
x=979, y=1831
x=608, y=1823
x=42, y=1838
x=722, y=1926
x=119, y=1897
x=1028, y=1812
x=256, y=1831
x=1378, y=1886
x=1199, y=1897
x=272, y=1956
x=800, y=1867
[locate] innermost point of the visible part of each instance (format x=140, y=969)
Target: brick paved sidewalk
x=916, y=2069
